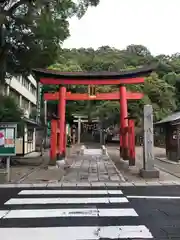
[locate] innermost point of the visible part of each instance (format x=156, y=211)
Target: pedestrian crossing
x=84, y=214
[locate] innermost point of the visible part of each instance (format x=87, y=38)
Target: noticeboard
x=8, y=132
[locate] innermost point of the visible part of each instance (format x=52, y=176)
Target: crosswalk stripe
x=23, y=201
x=74, y=233
x=88, y=212
x=3, y=213
x=70, y=192
x=45, y=214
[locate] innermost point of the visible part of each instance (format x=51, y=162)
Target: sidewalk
x=131, y=174
x=91, y=169
x=25, y=166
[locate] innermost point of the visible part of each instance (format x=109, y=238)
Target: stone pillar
x=79, y=130
x=148, y=170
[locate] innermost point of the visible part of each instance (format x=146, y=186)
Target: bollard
x=104, y=150
x=82, y=150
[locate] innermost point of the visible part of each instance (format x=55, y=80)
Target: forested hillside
x=161, y=89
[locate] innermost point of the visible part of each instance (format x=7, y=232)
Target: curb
x=93, y=184
x=167, y=161
x=119, y=173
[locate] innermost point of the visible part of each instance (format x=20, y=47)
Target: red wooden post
x=131, y=142
x=53, y=140
x=124, y=121
x=120, y=139
x=64, y=144
x=62, y=109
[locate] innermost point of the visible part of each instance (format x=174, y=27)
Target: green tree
x=34, y=31
x=10, y=112
x=160, y=89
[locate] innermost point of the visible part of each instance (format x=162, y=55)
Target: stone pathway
x=92, y=167
x=131, y=173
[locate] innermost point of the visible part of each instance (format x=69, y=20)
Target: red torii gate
x=107, y=78
x=98, y=96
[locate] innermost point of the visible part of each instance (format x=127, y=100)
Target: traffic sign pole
x=8, y=169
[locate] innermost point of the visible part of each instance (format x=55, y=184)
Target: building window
x=25, y=83
x=33, y=90
x=15, y=96
x=30, y=135
x=18, y=78
x=25, y=104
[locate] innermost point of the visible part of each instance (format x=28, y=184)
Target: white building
x=24, y=91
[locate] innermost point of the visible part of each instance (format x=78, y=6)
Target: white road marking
x=81, y=212
x=114, y=192
x=3, y=213
x=155, y=197
x=48, y=213
x=120, y=232
x=23, y=201
x=74, y=233
x=117, y=212
x=70, y=192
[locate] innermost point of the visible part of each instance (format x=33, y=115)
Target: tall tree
x=160, y=89
x=33, y=31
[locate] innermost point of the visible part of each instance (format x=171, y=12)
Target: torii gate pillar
x=61, y=114
x=123, y=123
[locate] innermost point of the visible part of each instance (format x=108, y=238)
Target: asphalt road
x=96, y=213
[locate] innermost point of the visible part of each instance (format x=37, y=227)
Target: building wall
x=24, y=90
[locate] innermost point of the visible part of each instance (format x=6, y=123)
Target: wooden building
x=171, y=126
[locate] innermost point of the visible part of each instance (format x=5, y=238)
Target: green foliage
x=161, y=89
x=31, y=32
x=10, y=112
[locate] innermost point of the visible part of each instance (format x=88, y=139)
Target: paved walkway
x=131, y=174
x=92, y=167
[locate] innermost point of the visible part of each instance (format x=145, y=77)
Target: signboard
x=8, y=133
x=81, y=120
x=39, y=101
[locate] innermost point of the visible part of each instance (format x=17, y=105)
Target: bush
x=11, y=112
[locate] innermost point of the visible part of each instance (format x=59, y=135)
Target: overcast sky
x=118, y=23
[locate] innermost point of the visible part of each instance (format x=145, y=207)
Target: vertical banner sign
x=8, y=133
x=39, y=100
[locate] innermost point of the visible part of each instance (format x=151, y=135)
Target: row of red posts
x=54, y=141
x=128, y=154
x=58, y=132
